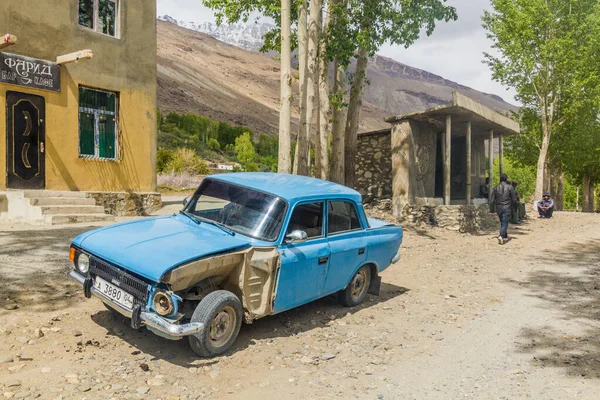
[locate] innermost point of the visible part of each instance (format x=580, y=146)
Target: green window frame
x=98, y=124
x=99, y=15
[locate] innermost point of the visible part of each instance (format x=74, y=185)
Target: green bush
x=163, y=158
x=186, y=160
x=214, y=145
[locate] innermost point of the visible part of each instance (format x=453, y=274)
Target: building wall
x=47, y=29
x=374, y=166
x=414, y=146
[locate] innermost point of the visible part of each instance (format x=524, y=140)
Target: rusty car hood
x=151, y=247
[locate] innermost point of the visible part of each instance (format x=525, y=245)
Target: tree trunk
x=283, y=165
x=324, y=105
x=337, y=128
x=541, y=166
x=586, y=201
x=356, y=96
x=301, y=164
x=592, y=197
x=560, y=192
x=314, y=26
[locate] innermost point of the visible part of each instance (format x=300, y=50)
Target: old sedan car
x=244, y=246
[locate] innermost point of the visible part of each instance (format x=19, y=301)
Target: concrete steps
x=60, y=219
x=54, y=193
x=50, y=207
x=62, y=201
x=66, y=209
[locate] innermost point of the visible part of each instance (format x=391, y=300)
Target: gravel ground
x=458, y=317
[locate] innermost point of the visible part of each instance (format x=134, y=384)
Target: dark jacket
x=503, y=197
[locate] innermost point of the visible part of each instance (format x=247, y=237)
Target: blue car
x=244, y=246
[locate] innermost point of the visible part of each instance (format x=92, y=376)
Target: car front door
x=347, y=242
x=303, y=264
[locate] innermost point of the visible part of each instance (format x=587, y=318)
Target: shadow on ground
x=571, y=285
x=33, y=268
x=314, y=315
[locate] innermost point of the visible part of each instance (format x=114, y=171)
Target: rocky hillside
x=234, y=83
x=200, y=74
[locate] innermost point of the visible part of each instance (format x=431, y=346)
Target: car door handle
x=361, y=251
x=323, y=260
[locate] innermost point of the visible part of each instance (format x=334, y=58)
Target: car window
x=342, y=217
x=307, y=218
x=240, y=209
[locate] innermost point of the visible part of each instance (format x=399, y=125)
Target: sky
x=454, y=50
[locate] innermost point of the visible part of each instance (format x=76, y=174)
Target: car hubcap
x=222, y=326
x=359, y=284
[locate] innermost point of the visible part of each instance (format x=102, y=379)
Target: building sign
x=29, y=72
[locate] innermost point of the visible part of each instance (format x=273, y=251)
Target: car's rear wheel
x=221, y=313
x=357, y=289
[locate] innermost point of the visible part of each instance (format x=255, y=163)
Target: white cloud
x=454, y=51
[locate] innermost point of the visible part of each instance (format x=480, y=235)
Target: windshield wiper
x=218, y=225
x=190, y=216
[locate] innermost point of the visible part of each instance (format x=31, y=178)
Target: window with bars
x=98, y=124
x=99, y=15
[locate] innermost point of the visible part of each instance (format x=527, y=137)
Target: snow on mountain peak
x=248, y=36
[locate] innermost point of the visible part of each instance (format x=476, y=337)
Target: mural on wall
x=424, y=155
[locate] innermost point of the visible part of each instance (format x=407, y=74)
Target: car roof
x=290, y=187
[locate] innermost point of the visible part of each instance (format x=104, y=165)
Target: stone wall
x=127, y=203
x=374, y=166
x=465, y=219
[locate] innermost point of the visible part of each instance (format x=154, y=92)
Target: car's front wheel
x=357, y=289
x=221, y=313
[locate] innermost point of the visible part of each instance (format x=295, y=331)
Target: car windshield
x=240, y=209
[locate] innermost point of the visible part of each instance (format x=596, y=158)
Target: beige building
x=433, y=158
x=78, y=95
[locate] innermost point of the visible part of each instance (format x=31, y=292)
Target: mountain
x=200, y=74
x=217, y=72
x=247, y=36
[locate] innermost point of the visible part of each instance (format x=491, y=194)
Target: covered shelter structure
x=438, y=156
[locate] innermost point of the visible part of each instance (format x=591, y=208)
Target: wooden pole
x=448, y=155
x=74, y=57
x=7, y=40
x=491, y=163
x=469, y=189
x=501, y=152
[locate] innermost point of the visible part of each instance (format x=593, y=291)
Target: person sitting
x=545, y=206
x=484, y=189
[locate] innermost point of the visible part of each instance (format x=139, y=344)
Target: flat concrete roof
x=463, y=109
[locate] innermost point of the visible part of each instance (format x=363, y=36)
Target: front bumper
x=156, y=323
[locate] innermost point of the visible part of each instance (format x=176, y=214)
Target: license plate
x=114, y=293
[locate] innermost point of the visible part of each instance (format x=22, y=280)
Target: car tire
x=221, y=313
x=357, y=289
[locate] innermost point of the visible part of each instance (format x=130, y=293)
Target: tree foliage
x=546, y=50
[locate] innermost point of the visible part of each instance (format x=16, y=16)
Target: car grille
x=132, y=285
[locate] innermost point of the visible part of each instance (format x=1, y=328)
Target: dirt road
x=459, y=317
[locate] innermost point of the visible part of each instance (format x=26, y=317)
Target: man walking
x=545, y=206
x=503, y=198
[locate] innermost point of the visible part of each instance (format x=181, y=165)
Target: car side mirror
x=186, y=201
x=296, y=236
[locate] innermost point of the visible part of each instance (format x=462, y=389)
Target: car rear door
x=347, y=241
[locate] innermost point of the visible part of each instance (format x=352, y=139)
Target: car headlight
x=162, y=303
x=83, y=263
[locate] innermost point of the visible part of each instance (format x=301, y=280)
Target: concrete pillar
x=491, y=162
x=501, y=153
x=447, y=158
x=469, y=169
